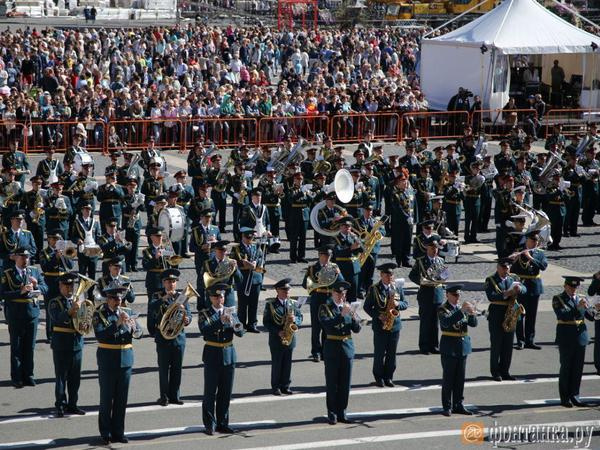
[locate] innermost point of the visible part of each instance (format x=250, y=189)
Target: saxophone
x=38, y=208
x=289, y=328
x=513, y=312
x=370, y=239
x=391, y=313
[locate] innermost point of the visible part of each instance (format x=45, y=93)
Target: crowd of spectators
x=205, y=71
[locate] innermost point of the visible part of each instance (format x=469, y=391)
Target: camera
x=467, y=93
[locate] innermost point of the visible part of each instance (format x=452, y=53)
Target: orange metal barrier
x=40, y=135
x=573, y=121
x=434, y=125
x=354, y=127
x=167, y=133
x=274, y=130
x=222, y=131
x=498, y=122
x=8, y=132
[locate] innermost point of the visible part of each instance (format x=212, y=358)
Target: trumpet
x=230, y=313
x=131, y=323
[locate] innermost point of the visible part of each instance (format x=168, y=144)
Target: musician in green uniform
x=281, y=318
x=297, y=219
x=366, y=224
x=338, y=322
x=219, y=358
x=49, y=166
x=133, y=204
x=153, y=261
x=218, y=178
x=67, y=346
x=400, y=210
x=152, y=187
x=455, y=346
x=321, y=283
x=33, y=203
x=114, y=327
x=555, y=204
x=528, y=266
x=250, y=258
x=429, y=273
x=19, y=288
x=572, y=338
x=383, y=304
x=112, y=279
x=170, y=348
x=17, y=159
x=58, y=209
x=345, y=254
x=472, y=203
x=453, y=197
x=502, y=290
x=112, y=243
x=594, y=289
x=85, y=230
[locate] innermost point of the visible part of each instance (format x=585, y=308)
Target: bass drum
x=172, y=220
x=80, y=159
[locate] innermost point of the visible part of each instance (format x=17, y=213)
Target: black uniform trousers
x=472, y=210
x=67, y=370
x=274, y=218
x=281, y=367
x=596, y=345
x=22, y=344
x=297, y=238
x=572, y=357
x=220, y=208
x=170, y=360
x=428, y=326
x=317, y=335
x=453, y=380
x=248, y=305
x=501, y=342
x=338, y=375
x=366, y=274
x=132, y=236
x=114, y=388
x=87, y=266
x=38, y=237
x=573, y=208
x=236, y=224
x=385, y=344
x=526, y=323
x=218, y=384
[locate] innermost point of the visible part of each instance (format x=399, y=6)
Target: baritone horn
x=173, y=320
x=82, y=322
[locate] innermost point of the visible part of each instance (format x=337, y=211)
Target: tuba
x=82, y=322
x=172, y=321
x=325, y=277
x=224, y=270
x=343, y=184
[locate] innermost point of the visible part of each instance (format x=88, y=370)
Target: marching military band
x=423, y=194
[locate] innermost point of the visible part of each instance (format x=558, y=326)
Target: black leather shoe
x=176, y=401
x=60, y=413
x=575, y=235
x=519, y=346
x=252, y=329
x=209, y=431
x=287, y=391
x=497, y=378
x=344, y=419
x=134, y=269
x=460, y=409
x=302, y=260
x=389, y=383
x=105, y=440
x=276, y=392
x=314, y=358
x=406, y=264
x=578, y=402
x=121, y=439
x=446, y=412
x=435, y=351
x=508, y=377
x=567, y=404
x=533, y=346
x=424, y=352
x=331, y=418
x=379, y=383
x=30, y=382
x=162, y=401
x=17, y=384
x=75, y=410
x=226, y=430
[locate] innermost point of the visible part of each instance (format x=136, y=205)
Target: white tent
x=477, y=55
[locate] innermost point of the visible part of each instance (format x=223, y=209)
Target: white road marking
x=143, y=433
x=271, y=398
x=556, y=401
x=407, y=436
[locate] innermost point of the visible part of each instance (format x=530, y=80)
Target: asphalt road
x=407, y=415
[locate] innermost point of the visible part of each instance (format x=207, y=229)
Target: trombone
x=168, y=254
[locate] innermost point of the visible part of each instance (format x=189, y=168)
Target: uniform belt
x=219, y=344
x=110, y=200
x=529, y=277
x=556, y=203
x=22, y=300
x=353, y=258
x=353, y=205
x=323, y=291
x=570, y=322
x=54, y=274
x=334, y=337
x=114, y=346
x=271, y=205
x=299, y=205
x=259, y=270
x=64, y=330
x=454, y=334
x=500, y=303
x=453, y=202
x=156, y=270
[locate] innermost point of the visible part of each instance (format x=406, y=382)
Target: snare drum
x=451, y=250
x=80, y=159
x=172, y=220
